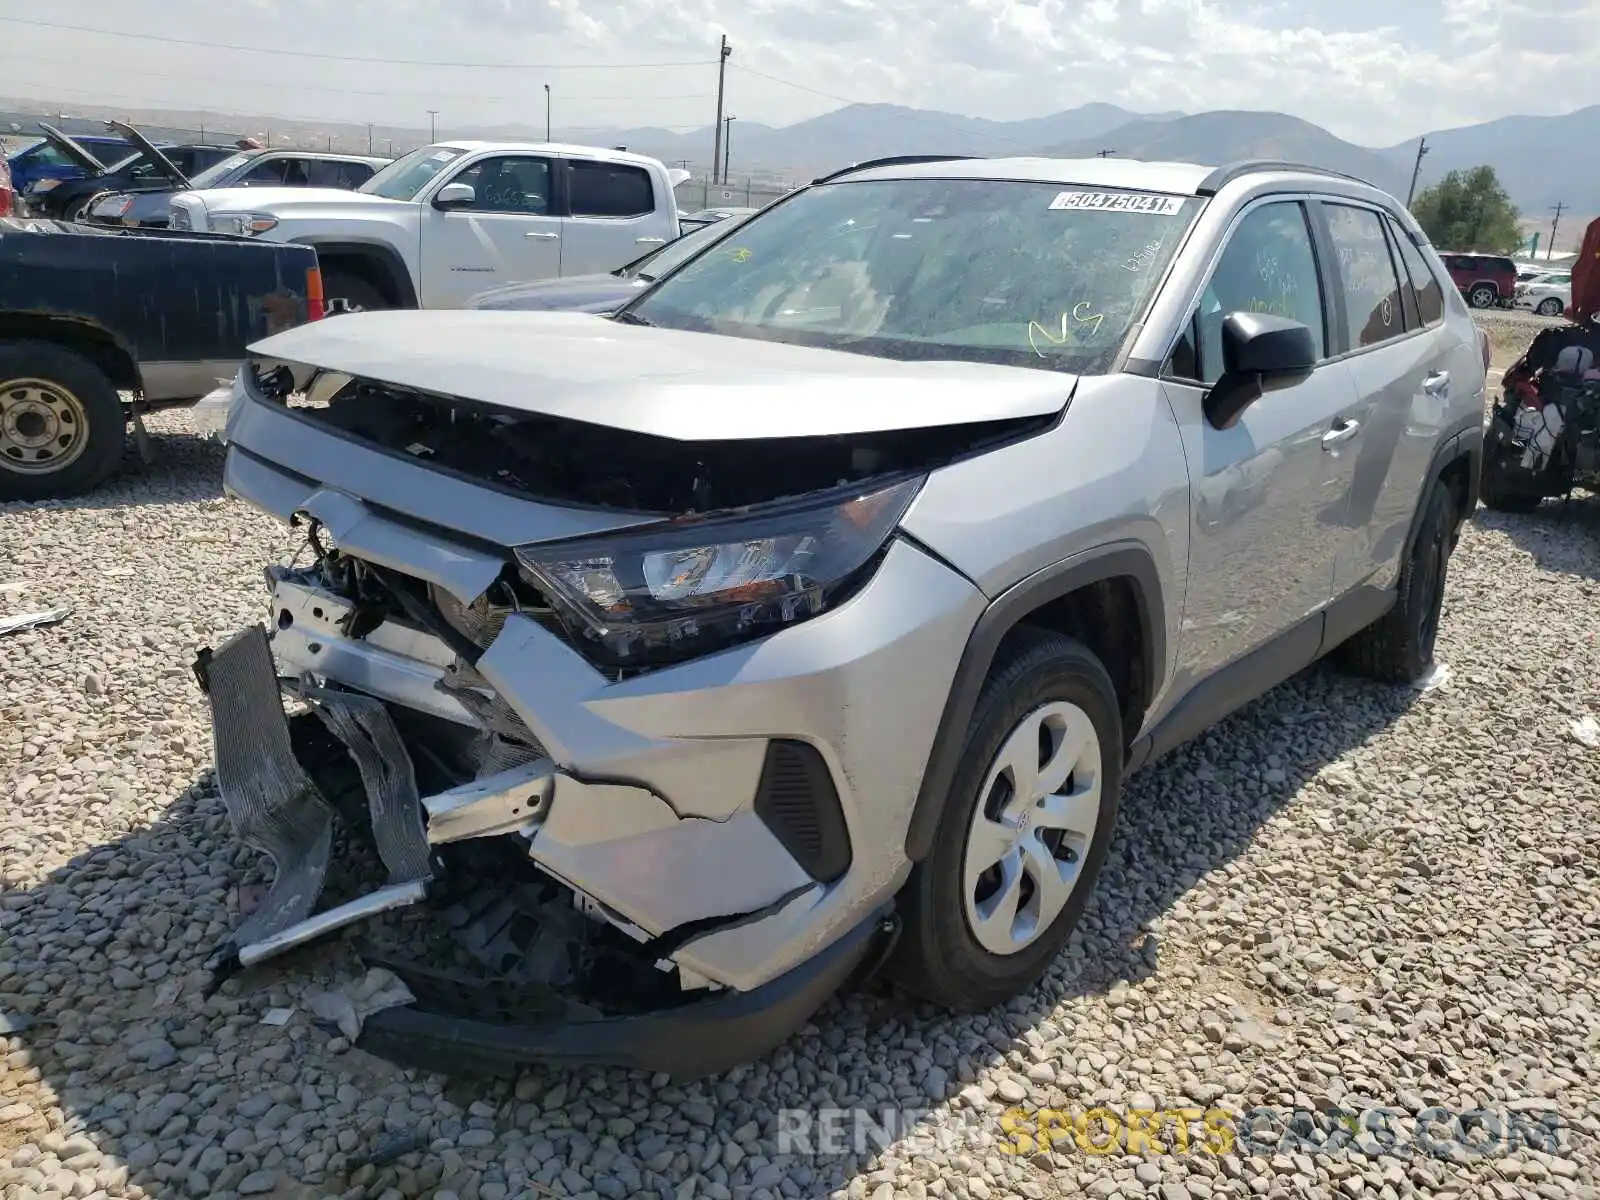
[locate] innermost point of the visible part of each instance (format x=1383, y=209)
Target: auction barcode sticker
x=1130, y=202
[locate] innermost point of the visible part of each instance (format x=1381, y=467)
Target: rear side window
x=1366, y=273
x=600, y=189
x=265, y=171
x=335, y=174
x=1424, y=283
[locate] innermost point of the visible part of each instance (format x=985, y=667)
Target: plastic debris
x=50, y=616
x=277, y=1016
x=377, y=990
x=1435, y=676
x=1587, y=730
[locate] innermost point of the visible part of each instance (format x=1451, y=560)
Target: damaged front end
x=625, y=741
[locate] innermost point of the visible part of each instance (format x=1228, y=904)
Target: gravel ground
x=1346, y=896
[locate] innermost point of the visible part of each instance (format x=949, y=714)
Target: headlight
x=681, y=588
x=177, y=217
x=42, y=186
x=248, y=224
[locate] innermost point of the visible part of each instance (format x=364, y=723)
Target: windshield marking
x=1145, y=205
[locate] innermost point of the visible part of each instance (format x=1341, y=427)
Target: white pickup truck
x=445, y=222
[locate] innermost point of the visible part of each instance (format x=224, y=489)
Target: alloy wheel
x=1033, y=825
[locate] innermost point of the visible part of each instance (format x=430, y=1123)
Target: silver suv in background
x=812, y=608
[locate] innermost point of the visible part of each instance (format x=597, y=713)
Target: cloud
x=1373, y=71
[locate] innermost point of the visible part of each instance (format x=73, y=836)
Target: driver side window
x=1268, y=266
x=509, y=184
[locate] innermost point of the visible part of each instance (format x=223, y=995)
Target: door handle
x=540, y=236
x=649, y=241
x=1342, y=431
x=1437, y=384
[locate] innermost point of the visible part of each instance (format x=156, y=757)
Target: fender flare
x=1005, y=613
x=380, y=254
x=1464, y=439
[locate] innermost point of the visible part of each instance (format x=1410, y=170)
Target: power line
x=351, y=58
x=24, y=59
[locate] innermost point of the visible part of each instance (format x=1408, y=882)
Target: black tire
x=345, y=291
x=1550, y=306
x=1482, y=296
x=937, y=956
x=91, y=402
x=1398, y=646
x=1503, y=494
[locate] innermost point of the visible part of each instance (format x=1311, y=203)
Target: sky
x=1375, y=72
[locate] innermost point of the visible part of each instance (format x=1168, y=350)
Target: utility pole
x=1558, y=208
x=547, y=112
x=433, y=124
x=369, y=137
x=1104, y=153
x=727, y=146
x=722, y=78
x=1422, y=148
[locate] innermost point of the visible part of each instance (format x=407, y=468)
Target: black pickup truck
x=99, y=324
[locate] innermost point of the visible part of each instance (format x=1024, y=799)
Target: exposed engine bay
x=574, y=462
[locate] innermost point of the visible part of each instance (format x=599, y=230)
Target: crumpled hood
x=662, y=382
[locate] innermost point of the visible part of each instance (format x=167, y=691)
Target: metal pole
x=722, y=77
x=369, y=137
x=727, y=148
x=1554, y=225
x=547, y=112
x=1422, y=148
x=433, y=124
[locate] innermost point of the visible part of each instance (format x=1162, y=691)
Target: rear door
x=1401, y=386
x=510, y=233
x=1269, y=494
x=614, y=215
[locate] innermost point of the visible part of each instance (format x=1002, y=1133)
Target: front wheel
x=348, y=292
x=1550, y=306
x=1024, y=829
x=61, y=423
x=1483, y=296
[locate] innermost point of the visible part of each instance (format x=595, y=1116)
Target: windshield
x=684, y=248
x=1027, y=274
x=214, y=174
x=405, y=177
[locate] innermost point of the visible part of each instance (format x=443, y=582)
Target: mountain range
x=1541, y=161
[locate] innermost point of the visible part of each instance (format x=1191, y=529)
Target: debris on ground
x=33, y=620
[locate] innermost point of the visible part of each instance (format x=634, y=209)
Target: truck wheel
x=348, y=292
x=1024, y=829
x=1483, y=296
x=1398, y=646
x=61, y=422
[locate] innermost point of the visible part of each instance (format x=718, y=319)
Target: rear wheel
x=1398, y=646
x=1024, y=829
x=1550, y=306
x=348, y=292
x=1482, y=296
x=61, y=422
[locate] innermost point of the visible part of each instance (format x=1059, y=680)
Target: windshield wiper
x=632, y=318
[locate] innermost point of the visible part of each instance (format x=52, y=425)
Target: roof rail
x=893, y=160
x=1228, y=172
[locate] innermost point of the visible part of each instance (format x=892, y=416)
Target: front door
x=507, y=234
x=1268, y=497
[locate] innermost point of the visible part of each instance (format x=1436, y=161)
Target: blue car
x=43, y=160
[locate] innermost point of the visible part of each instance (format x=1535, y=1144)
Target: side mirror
x=456, y=195
x=1260, y=352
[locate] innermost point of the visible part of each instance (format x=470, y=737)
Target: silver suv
x=808, y=613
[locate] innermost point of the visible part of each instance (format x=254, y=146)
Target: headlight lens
x=247, y=224
x=687, y=587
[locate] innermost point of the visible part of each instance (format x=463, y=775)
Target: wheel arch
x=377, y=262
x=1458, y=463
x=1109, y=598
x=93, y=341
